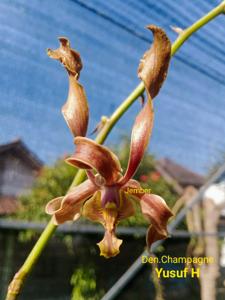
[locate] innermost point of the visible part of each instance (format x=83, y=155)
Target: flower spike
x=106, y=197
x=75, y=110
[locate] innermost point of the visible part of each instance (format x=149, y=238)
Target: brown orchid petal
x=152, y=70
x=153, y=236
x=133, y=188
x=62, y=213
x=53, y=205
x=154, y=208
x=75, y=110
x=132, y=183
x=68, y=208
x=126, y=208
x=67, y=56
x=92, y=209
x=154, y=65
x=141, y=133
x=90, y=155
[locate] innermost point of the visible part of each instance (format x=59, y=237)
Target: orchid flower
x=106, y=196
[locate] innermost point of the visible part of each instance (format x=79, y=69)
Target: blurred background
x=186, y=148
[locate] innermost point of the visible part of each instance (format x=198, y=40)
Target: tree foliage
x=84, y=284
x=52, y=182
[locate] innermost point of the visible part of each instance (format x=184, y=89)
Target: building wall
x=15, y=175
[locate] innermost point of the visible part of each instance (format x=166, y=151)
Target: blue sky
x=190, y=110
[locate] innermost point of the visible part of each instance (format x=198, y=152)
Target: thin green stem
x=18, y=280
x=220, y=9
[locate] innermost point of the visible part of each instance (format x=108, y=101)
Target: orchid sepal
x=75, y=110
x=155, y=209
x=68, y=208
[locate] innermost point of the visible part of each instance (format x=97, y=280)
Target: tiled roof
x=183, y=176
x=20, y=149
x=8, y=205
